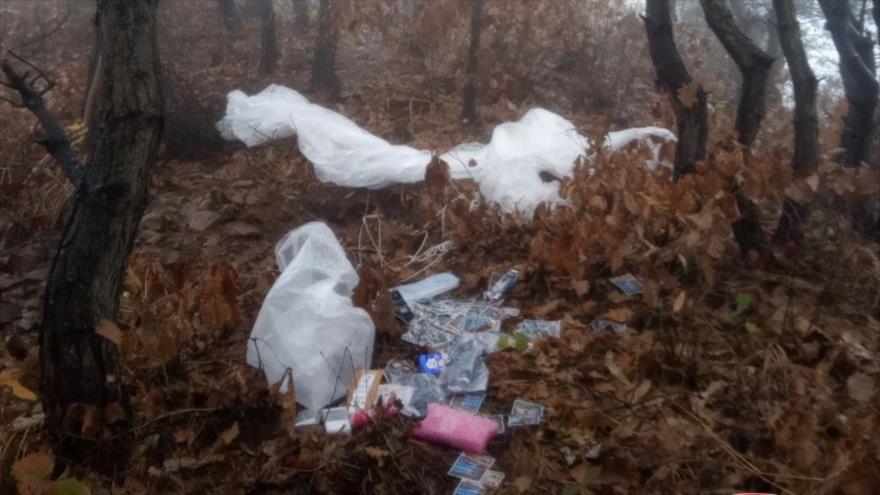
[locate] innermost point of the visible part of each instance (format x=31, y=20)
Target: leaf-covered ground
x=736, y=374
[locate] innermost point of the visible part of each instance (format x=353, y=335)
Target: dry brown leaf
x=92, y=420
x=377, y=453
x=33, y=467
x=545, y=310
x=580, y=473
x=218, y=304
x=615, y=370
x=230, y=434
x=18, y=389
x=618, y=297
x=114, y=412
x=688, y=94
x=181, y=463
x=620, y=315
x=641, y=391
x=110, y=331
x=678, y=305
x=861, y=387
x=581, y=287
x=523, y=483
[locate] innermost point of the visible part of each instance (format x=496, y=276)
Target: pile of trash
x=309, y=335
x=508, y=169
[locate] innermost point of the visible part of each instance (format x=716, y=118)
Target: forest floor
x=734, y=375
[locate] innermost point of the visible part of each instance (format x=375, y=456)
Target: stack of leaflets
x=474, y=473
x=468, y=402
x=539, y=329
x=525, y=413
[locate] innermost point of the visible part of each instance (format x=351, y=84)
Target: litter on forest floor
x=627, y=283
x=432, y=363
x=525, y=413
x=501, y=286
x=539, y=329
x=428, y=288
x=308, y=324
x=508, y=169
x=468, y=402
x=336, y=420
x=456, y=428
x=444, y=386
x=471, y=467
x=601, y=325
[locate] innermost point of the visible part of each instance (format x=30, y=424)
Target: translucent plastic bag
x=465, y=371
x=307, y=322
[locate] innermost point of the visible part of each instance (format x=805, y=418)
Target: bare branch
x=16, y=104
x=48, y=33
x=55, y=140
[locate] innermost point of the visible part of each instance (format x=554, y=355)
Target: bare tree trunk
x=94, y=90
x=806, y=122
x=687, y=97
x=301, y=13
x=876, y=13
x=774, y=49
x=227, y=11
x=80, y=369
x=469, y=99
x=753, y=63
x=324, y=63
x=857, y=71
x=269, y=47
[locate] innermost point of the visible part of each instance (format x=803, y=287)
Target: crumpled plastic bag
x=427, y=389
x=465, y=370
x=308, y=323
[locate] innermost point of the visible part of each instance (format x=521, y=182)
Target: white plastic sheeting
x=507, y=168
x=649, y=136
x=307, y=322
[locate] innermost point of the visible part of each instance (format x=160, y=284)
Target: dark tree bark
x=229, y=14
x=857, y=69
x=269, y=47
x=301, y=13
x=806, y=122
x=469, y=99
x=876, y=12
x=688, y=97
x=754, y=65
x=324, y=62
x=774, y=49
x=228, y=24
x=94, y=90
x=79, y=368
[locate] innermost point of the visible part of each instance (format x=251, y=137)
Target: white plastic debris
x=428, y=288
x=336, y=420
x=650, y=136
x=307, y=322
x=507, y=169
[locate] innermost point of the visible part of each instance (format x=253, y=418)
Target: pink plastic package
x=456, y=428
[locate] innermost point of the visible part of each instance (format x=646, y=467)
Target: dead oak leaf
x=688, y=94
x=620, y=315
x=109, y=331
x=581, y=287
x=861, y=387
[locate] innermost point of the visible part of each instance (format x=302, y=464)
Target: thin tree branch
x=45, y=35
x=55, y=141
